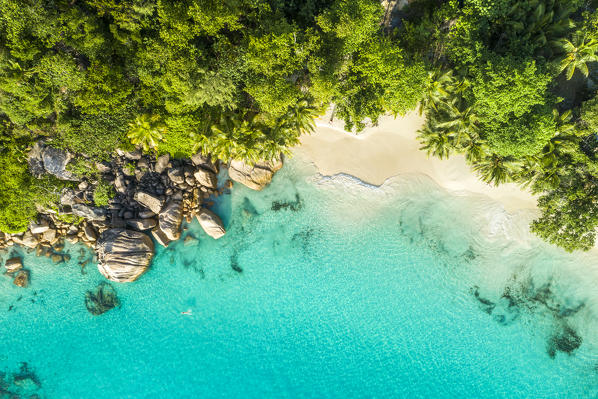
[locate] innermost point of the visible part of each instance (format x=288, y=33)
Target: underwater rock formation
x=294, y=206
x=101, y=300
x=564, y=339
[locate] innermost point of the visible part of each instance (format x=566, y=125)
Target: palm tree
x=301, y=117
x=462, y=124
x=146, y=131
x=436, y=89
x=496, y=169
x=435, y=142
x=578, y=53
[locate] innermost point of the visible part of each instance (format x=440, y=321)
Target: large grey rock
x=124, y=255
x=142, y=224
x=255, y=176
x=89, y=212
x=39, y=228
x=55, y=161
x=68, y=196
x=206, y=178
x=204, y=161
x=162, y=163
x=170, y=219
x=211, y=223
x=151, y=202
x=120, y=185
x=176, y=175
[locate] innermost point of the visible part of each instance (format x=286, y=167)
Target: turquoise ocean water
x=323, y=287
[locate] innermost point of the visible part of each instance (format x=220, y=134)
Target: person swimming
x=188, y=312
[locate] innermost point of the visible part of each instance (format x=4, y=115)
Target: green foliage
x=103, y=193
x=21, y=193
x=588, y=120
x=569, y=214
x=380, y=79
x=146, y=131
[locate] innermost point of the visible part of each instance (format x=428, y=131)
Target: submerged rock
x=124, y=255
x=21, y=278
x=170, y=219
x=565, y=339
x=255, y=177
x=211, y=223
x=101, y=300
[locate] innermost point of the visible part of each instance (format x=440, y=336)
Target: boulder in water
x=124, y=255
x=211, y=223
x=255, y=176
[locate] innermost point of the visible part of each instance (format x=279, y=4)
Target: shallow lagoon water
x=323, y=287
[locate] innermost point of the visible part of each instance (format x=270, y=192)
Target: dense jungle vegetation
x=508, y=83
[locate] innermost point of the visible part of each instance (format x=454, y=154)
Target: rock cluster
x=152, y=198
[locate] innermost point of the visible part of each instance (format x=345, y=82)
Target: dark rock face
x=101, y=300
x=124, y=255
x=36, y=164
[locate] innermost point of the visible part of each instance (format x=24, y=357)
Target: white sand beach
x=391, y=149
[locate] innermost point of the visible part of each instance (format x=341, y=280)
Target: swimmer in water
x=188, y=312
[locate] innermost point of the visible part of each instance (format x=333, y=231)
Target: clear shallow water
x=340, y=290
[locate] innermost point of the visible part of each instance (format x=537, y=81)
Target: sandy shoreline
x=391, y=149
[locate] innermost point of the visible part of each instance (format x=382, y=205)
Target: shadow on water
x=524, y=296
x=23, y=383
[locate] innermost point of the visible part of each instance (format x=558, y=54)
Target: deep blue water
x=323, y=287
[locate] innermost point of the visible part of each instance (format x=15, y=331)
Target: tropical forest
x=511, y=84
